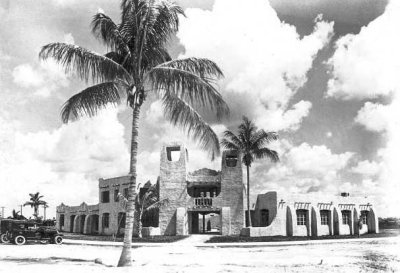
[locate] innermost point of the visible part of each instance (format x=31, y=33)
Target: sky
x=322, y=74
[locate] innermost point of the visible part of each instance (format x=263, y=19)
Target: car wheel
x=4, y=239
x=58, y=240
x=20, y=240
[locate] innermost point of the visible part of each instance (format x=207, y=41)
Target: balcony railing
x=203, y=202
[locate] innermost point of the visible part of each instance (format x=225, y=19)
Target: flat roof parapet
x=204, y=175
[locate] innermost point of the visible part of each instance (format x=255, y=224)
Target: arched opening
x=71, y=223
x=121, y=222
x=81, y=223
x=92, y=224
x=289, y=222
x=105, y=221
x=61, y=222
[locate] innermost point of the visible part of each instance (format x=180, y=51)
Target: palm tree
x=35, y=202
x=137, y=66
x=147, y=202
x=250, y=142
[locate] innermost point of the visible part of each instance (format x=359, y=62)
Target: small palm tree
x=147, y=202
x=251, y=143
x=138, y=66
x=35, y=202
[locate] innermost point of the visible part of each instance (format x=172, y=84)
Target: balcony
x=203, y=202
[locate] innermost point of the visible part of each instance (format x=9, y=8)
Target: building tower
x=232, y=214
x=173, y=186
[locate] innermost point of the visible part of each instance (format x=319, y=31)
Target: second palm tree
x=251, y=143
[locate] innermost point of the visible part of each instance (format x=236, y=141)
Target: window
x=231, y=161
x=116, y=191
x=173, y=153
x=324, y=217
x=264, y=218
x=105, y=197
x=364, y=217
x=106, y=220
x=301, y=217
x=346, y=217
x=126, y=193
x=121, y=219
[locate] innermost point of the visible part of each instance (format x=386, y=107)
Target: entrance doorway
x=205, y=222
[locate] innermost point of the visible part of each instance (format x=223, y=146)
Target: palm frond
x=122, y=59
x=189, y=87
x=164, y=23
x=261, y=138
x=266, y=153
x=29, y=204
x=183, y=115
x=228, y=145
x=87, y=64
x=123, y=201
x=248, y=158
x=157, y=205
x=89, y=101
x=107, y=31
x=199, y=66
x=231, y=137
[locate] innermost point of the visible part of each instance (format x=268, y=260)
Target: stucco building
x=207, y=200
x=311, y=214
x=194, y=199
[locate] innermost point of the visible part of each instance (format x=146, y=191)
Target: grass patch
x=240, y=239
x=107, y=238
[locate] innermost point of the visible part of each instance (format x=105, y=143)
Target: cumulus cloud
x=365, y=66
x=374, y=116
x=264, y=59
x=304, y=168
x=25, y=76
x=367, y=168
x=69, y=39
x=44, y=79
x=63, y=164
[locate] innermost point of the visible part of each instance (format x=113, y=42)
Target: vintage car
x=20, y=231
x=4, y=225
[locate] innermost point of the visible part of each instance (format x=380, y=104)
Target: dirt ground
x=380, y=255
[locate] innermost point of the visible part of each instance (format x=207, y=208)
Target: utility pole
x=44, y=214
x=21, y=210
x=2, y=212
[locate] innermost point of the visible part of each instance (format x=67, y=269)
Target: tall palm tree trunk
x=126, y=256
x=35, y=211
x=248, y=195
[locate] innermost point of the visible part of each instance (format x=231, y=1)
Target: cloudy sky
x=323, y=74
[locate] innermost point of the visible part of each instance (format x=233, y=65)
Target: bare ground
x=380, y=255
